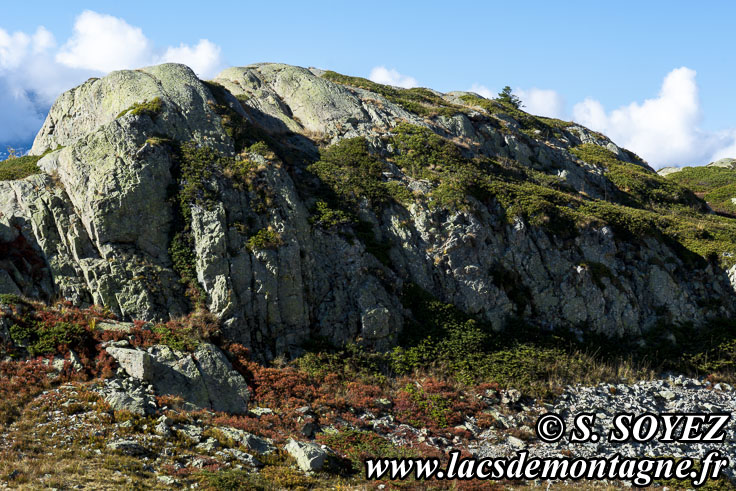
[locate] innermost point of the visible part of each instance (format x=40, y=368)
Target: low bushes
x=264, y=239
x=150, y=108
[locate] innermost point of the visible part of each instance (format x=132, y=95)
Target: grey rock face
x=7, y=285
x=665, y=171
x=301, y=101
x=204, y=379
x=97, y=225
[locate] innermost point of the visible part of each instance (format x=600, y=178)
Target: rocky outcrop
x=97, y=226
x=726, y=163
x=665, y=171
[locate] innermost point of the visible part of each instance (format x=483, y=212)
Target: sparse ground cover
x=16, y=168
x=451, y=378
x=417, y=100
x=716, y=185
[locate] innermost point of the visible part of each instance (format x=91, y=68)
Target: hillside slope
x=297, y=204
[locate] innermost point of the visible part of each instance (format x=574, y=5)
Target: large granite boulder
x=204, y=379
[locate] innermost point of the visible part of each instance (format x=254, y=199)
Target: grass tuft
x=16, y=168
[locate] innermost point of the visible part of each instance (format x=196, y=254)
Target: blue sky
x=656, y=76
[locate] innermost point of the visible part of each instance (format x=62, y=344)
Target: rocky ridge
x=296, y=205
x=99, y=225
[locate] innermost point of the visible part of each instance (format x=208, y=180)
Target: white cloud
x=204, y=58
x=19, y=116
x=43, y=40
x=24, y=82
x=726, y=151
x=105, y=43
x=34, y=70
x=663, y=130
x=383, y=75
x=542, y=102
x=483, y=90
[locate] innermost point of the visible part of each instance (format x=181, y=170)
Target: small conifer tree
x=508, y=97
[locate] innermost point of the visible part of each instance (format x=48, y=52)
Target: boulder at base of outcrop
x=310, y=457
x=136, y=363
x=204, y=379
x=129, y=394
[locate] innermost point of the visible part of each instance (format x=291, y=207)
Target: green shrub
x=182, y=339
x=716, y=185
x=637, y=186
x=42, y=338
x=243, y=172
x=16, y=168
x=327, y=218
x=264, y=239
x=261, y=148
x=419, y=150
x=532, y=126
x=358, y=445
x=195, y=167
x=553, y=210
x=183, y=258
x=595, y=154
x=10, y=299
x=435, y=408
x=150, y=108
x=352, y=172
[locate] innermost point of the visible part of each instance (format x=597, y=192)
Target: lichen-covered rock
x=128, y=447
x=251, y=442
x=727, y=163
x=129, y=394
x=310, y=457
x=99, y=224
x=138, y=364
x=301, y=101
x=205, y=379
